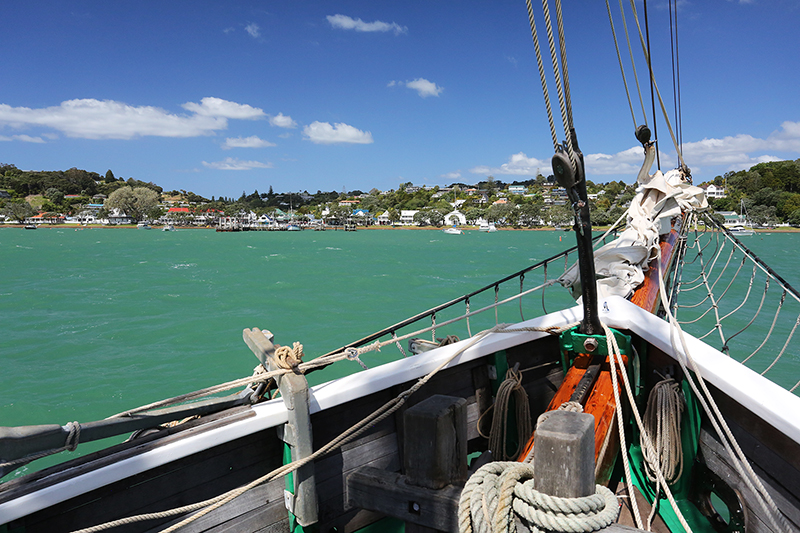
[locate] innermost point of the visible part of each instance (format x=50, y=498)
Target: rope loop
x=289, y=358
x=74, y=436
x=352, y=354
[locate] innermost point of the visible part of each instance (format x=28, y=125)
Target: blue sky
x=224, y=97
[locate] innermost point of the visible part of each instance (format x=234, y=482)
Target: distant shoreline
x=376, y=227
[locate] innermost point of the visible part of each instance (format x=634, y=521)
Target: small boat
x=487, y=227
x=293, y=227
x=452, y=231
x=168, y=227
x=143, y=225
x=30, y=226
x=742, y=227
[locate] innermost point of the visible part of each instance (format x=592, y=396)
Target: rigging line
x=753, y=257
x=540, y=63
x=750, y=286
x=726, y=348
x=772, y=327
x=621, y=67
x=562, y=41
x=672, y=34
x=679, y=125
x=658, y=93
x=633, y=63
x=739, y=460
x=548, y=23
x=788, y=340
x=652, y=97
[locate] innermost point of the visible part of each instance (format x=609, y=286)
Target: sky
x=221, y=98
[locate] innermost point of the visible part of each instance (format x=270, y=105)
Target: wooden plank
x=390, y=494
x=718, y=461
x=646, y=295
x=189, y=480
x=260, y=506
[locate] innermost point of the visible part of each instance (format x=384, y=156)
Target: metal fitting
x=590, y=344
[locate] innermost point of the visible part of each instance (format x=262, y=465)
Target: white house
x=713, y=191
x=383, y=219
x=455, y=217
x=516, y=189
x=407, y=216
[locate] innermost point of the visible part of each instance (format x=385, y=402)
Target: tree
x=473, y=214
x=54, y=195
x=110, y=177
x=560, y=215
x=136, y=202
x=394, y=215
x=436, y=216
x=18, y=210
x=421, y=218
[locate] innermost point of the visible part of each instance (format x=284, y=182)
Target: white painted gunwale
x=772, y=403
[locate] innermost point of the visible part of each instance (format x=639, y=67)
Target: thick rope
x=289, y=358
x=500, y=490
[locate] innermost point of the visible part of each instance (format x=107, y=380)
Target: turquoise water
x=98, y=321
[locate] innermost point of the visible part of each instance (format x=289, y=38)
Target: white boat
x=143, y=225
x=293, y=227
x=741, y=227
x=488, y=227
x=452, y=231
x=644, y=409
x=168, y=227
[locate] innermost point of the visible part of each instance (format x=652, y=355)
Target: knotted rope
x=498, y=490
x=289, y=358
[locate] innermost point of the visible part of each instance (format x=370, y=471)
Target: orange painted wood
x=646, y=296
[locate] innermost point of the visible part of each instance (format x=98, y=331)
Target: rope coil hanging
x=498, y=436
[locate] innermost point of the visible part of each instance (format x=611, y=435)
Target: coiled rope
x=662, y=422
x=498, y=436
x=498, y=490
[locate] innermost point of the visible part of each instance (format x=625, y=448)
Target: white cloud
x=343, y=22
x=424, y=87
x=625, y=162
x=282, y=121
x=217, y=107
x=23, y=138
x=451, y=175
x=232, y=163
x=253, y=30
x=323, y=133
x=518, y=165
x=95, y=119
x=246, y=142
x=735, y=152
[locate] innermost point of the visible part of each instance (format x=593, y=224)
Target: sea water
x=95, y=321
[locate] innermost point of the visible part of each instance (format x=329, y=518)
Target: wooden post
x=434, y=448
x=302, y=501
x=563, y=454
